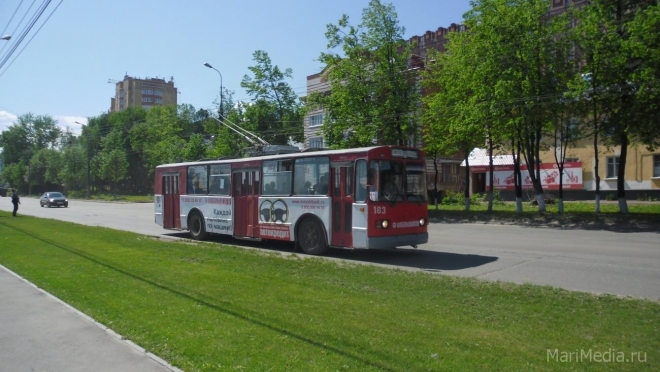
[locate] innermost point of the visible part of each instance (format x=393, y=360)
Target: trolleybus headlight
x=422, y=221
x=383, y=224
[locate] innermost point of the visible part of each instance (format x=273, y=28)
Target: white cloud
x=6, y=120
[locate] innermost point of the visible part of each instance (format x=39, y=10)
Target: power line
x=25, y=32
x=8, y=23
x=29, y=41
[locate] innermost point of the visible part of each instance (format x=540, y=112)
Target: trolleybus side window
x=307, y=176
x=277, y=177
x=415, y=182
x=219, y=179
x=197, y=180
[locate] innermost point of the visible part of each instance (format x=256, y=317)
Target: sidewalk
x=38, y=332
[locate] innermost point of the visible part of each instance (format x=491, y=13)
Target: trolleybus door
x=342, y=203
x=171, y=210
x=245, y=184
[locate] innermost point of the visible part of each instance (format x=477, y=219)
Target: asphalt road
x=600, y=261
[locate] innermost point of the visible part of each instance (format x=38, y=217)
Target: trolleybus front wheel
x=196, y=226
x=311, y=237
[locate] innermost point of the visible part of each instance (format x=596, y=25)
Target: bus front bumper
x=389, y=242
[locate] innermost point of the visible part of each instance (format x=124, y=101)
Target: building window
x=316, y=120
x=158, y=100
x=146, y=99
x=612, y=166
x=316, y=142
x=158, y=93
x=656, y=165
x=147, y=91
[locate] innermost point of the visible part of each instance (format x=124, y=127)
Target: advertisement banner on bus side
x=217, y=212
x=278, y=215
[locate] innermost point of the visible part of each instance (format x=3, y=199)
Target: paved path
x=38, y=332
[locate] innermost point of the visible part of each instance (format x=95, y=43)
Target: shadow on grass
x=630, y=223
x=401, y=257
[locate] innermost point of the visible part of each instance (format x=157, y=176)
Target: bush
x=458, y=198
x=452, y=197
x=497, y=198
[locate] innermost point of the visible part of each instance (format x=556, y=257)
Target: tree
x=449, y=113
x=526, y=57
x=275, y=113
x=226, y=141
x=74, y=170
x=159, y=137
x=15, y=175
x=373, y=96
x=643, y=46
x=113, y=167
x=45, y=167
x=614, y=60
x=27, y=136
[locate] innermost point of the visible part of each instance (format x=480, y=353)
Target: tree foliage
x=113, y=167
x=618, y=53
x=501, y=79
x=27, y=136
x=275, y=112
x=372, y=88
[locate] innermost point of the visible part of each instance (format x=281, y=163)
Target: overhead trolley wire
x=29, y=41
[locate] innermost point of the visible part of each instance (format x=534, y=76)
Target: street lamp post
x=6, y=37
x=87, y=193
x=221, y=106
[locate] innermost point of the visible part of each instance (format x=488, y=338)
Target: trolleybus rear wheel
x=196, y=226
x=311, y=237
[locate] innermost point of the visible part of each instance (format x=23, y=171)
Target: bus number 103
x=379, y=210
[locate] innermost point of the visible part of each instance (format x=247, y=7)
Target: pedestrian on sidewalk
x=15, y=200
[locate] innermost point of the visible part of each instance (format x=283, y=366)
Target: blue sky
x=64, y=71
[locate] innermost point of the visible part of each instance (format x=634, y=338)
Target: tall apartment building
x=143, y=92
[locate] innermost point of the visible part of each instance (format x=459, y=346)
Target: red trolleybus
x=362, y=198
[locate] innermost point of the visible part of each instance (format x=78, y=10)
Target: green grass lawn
x=210, y=307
